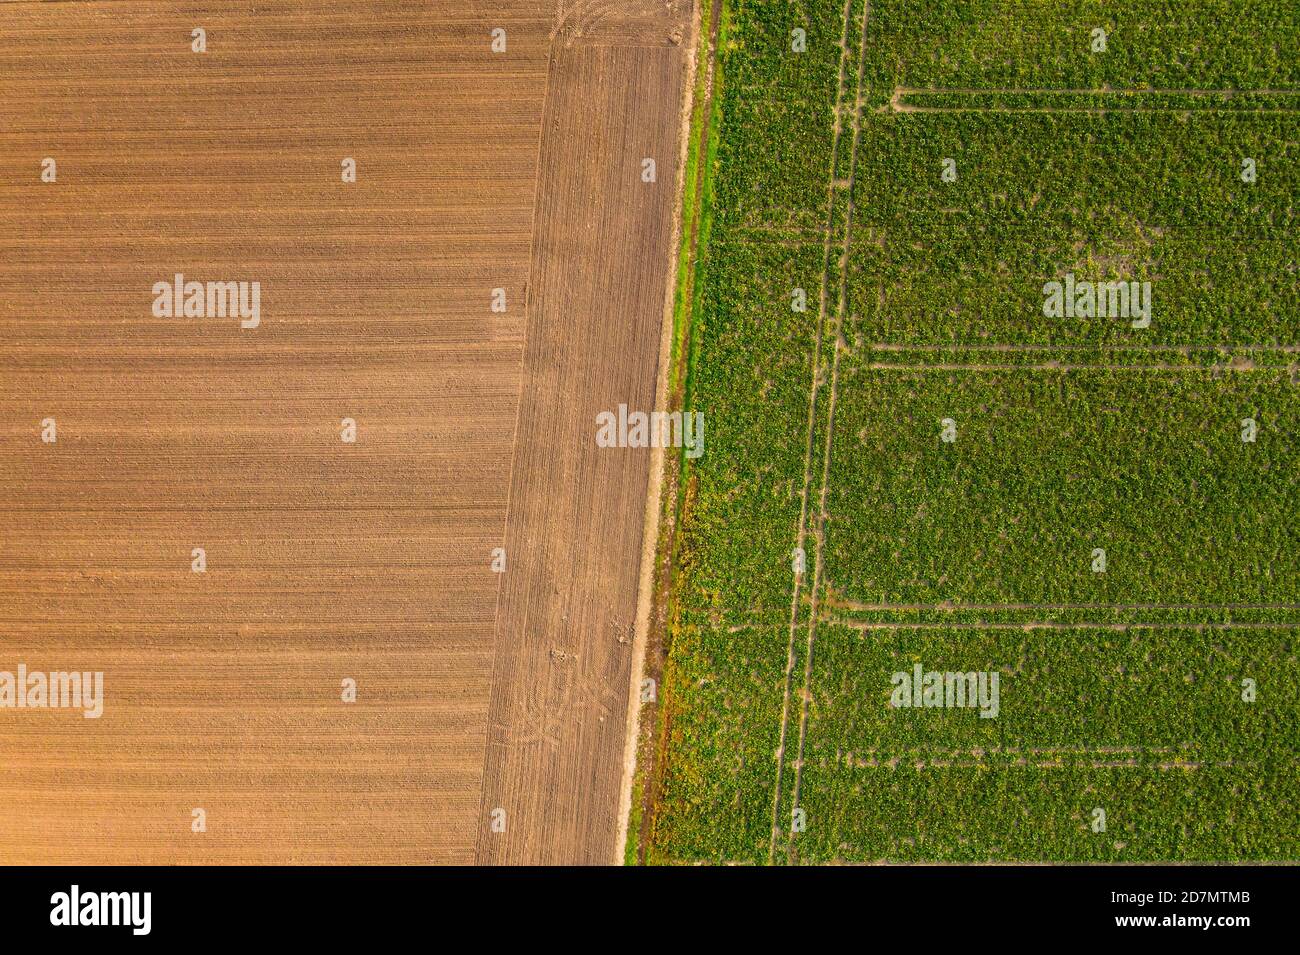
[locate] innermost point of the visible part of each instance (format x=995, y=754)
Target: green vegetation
x=1146, y=723
x=1048, y=465
x=1047, y=44
x=1162, y=684
x=719, y=805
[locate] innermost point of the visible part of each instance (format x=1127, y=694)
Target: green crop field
x=963, y=574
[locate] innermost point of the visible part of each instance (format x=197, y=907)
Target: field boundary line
x=853, y=624
x=1227, y=233
x=841, y=313
x=859, y=606
x=1014, y=348
x=920, y=764
x=801, y=536
x=1086, y=111
x=1002, y=750
x=485, y=798
x=1063, y=366
x=839, y=615
x=1081, y=91
x=665, y=474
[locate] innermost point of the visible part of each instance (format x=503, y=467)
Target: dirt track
x=325, y=560
x=601, y=267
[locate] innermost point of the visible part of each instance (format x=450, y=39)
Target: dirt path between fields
x=567, y=621
x=651, y=640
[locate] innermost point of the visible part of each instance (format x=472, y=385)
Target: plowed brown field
x=326, y=560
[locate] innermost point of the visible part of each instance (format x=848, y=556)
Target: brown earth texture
x=360, y=583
